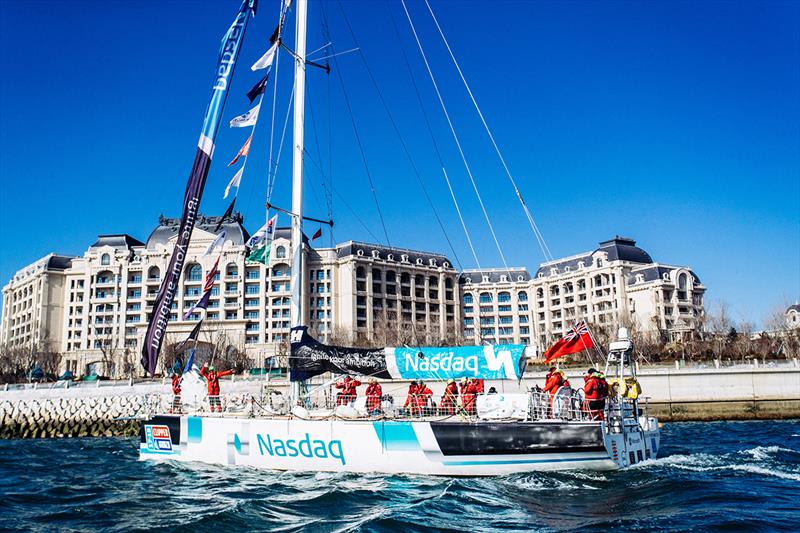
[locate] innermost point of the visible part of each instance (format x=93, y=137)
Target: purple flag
x=223, y=74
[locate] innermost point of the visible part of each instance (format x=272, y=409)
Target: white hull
x=389, y=447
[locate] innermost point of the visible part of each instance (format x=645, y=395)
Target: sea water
x=719, y=476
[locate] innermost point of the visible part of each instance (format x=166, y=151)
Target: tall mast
x=297, y=285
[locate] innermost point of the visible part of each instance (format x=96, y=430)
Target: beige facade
x=616, y=284
x=33, y=303
x=95, y=308
x=103, y=300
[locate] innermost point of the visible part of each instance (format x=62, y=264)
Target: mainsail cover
x=223, y=74
x=310, y=358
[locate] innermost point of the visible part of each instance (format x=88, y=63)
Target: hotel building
x=98, y=304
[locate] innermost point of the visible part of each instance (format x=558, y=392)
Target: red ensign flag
x=576, y=340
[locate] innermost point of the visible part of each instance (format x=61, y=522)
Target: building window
x=486, y=298
x=504, y=297
x=105, y=259
x=194, y=273
x=280, y=252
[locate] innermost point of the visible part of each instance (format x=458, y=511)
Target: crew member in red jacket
x=553, y=381
x=374, y=394
x=411, y=399
x=595, y=394
x=349, y=391
x=176, y=393
x=212, y=377
x=479, y=385
x=449, y=398
x=468, y=391
x=423, y=397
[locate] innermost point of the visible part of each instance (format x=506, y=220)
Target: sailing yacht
x=501, y=434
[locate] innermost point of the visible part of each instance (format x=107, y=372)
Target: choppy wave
x=712, y=476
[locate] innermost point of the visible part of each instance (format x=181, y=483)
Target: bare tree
x=14, y=363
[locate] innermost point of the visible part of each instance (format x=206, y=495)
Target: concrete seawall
x=738, y=393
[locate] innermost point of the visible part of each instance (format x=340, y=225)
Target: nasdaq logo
x=306, y=447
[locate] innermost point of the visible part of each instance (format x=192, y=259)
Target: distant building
x=33, y=304
x=793, y=316
x=95, y=308
x=616, y=284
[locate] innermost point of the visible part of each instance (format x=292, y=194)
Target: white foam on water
x=763, y=452
x=585, y=475
x=680, y=460
x=765, y=471
x=707, y=463
x=534, y=484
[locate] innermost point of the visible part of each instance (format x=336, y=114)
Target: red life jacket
x=553, y=383
x=590, y=389
x=411, y=398
x=423, y=393
x=374, y=394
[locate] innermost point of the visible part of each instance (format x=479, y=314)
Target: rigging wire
x=327, y=36
x=271, y=182
x=399, y=135
x=272, y=172
x=542, y=244
x=328, y=198
x=357, y=136
x=455, y=137
x=433, y=137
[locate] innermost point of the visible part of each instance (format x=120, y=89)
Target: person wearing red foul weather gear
x=411, y=399
x=349, y=391
x=212, y=377
x=374, y=394
x=423, y=396
x=176, y=393
x=449, y=398
x=595, y=390
x=553, y=382
x=479, y=385
x=468, y=391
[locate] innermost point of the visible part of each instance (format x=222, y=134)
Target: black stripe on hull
x=516, y=438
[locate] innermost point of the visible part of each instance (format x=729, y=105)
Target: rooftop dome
x=168, y=228
x=624, y=249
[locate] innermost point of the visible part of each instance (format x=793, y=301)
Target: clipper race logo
x=158, y=439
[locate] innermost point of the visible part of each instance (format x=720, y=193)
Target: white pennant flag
x=235, y=180
x=266, y=60
x=248, y=119
x=264, y=233
x=219, y=241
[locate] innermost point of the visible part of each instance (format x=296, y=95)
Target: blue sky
x=675, y=123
